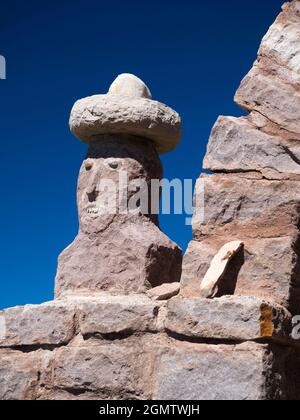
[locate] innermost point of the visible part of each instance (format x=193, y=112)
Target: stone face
x=32, y=325
x=118, y=248
x=109, y=314
x=130, y=85
x=218, y=372
x=218, y=267
x=126, y=163
x=117, y=114
x=252, y=144
x=230, y=318
x=165, y=291
x=267, y=268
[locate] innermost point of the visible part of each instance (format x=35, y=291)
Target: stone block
x=51, y=323
x=241, y=145
x=248, y=371
x=230, y=318
x=112, y=371
x=246, y=206
x=108, y=314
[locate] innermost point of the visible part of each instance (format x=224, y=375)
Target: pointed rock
x=218, y=268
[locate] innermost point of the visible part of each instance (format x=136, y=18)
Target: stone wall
x=253, y=194
x=134, y=347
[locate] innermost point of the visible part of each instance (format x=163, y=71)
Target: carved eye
x=88, y=165
x=113, y=165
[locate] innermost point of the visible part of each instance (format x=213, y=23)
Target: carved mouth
x=92, y=210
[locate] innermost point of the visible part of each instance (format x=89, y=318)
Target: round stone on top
x=129, y=85
x=127, y=109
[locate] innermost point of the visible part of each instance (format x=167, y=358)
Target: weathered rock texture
x=247, y=371
x=253, y=198
x=231, y=318
x=132, y=347
x=121, y=326
x=267, y=140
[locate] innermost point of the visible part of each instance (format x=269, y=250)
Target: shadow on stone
x=228, y=283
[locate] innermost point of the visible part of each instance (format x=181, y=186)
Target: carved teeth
x=93, y=210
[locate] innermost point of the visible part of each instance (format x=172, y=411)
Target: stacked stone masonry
x=117, y=347
x=122, y=326
x=252, y=195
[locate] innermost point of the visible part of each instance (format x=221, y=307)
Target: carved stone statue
x=120, y=247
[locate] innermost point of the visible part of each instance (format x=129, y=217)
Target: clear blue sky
x=191, y=53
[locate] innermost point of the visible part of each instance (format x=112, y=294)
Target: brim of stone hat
x=116, y=114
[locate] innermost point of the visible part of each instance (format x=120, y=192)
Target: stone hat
x=127, y=108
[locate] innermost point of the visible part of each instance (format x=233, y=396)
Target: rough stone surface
x=259, y=203
x=113, y=371
x=117, y=114
x=57, y=323
x=230, y=318
x=272, y=86
x=252, y=144
x=148, y=364
x=248, y=206
x=109, y=314
x=214, y=275
x=218, y=372
x=266, y=268
x=114, y=251
x=19, y=375
x=267, y=140
x=150, y=368
x=48, y=324
x=165, y=291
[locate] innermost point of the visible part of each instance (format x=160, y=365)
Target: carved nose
x=91, y=187
x=92, y=195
